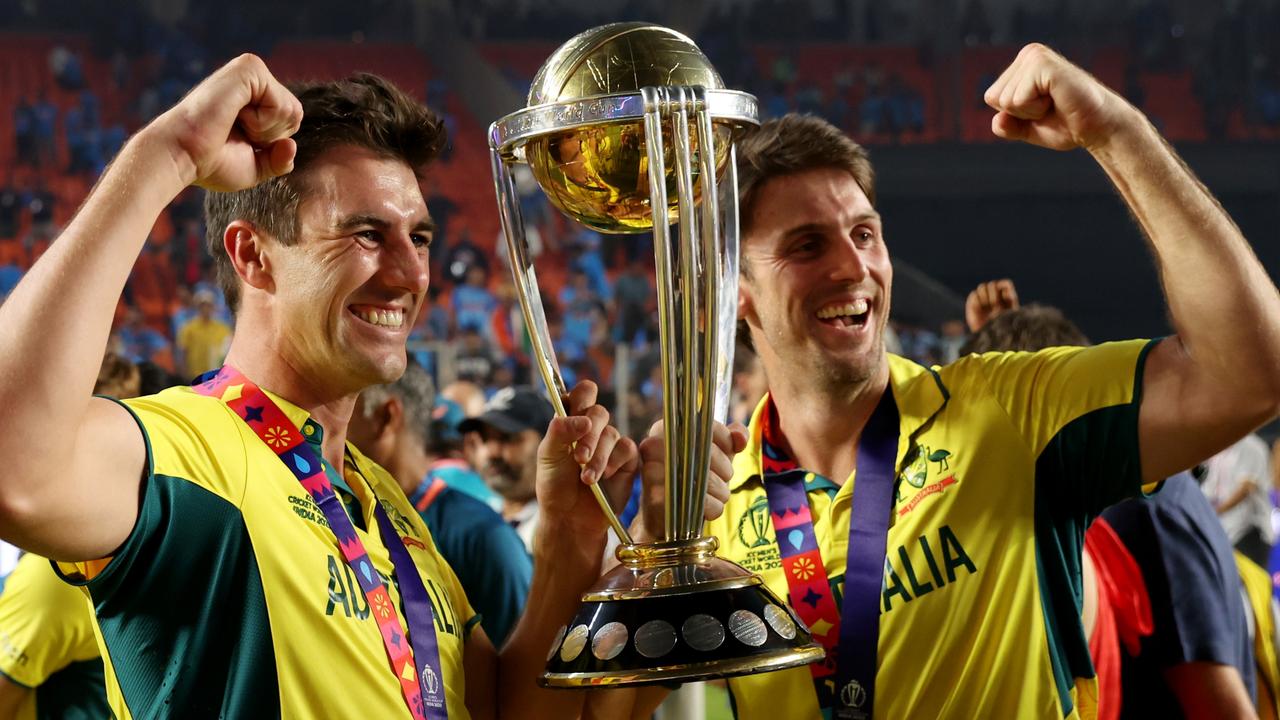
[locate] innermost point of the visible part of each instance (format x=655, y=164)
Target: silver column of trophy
x=620, y=119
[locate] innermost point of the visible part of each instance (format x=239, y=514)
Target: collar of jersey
x=918, y=391
x=313, y=434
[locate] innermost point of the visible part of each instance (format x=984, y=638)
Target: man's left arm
x=568, y=549
x=1216, y=379
x=1242, y=491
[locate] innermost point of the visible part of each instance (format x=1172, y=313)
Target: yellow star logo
x=232, y=393
x=822, y=627
x=407, y=673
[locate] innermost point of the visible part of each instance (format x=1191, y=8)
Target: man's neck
x=822, y=427
x=409, y=465
x=332, y=411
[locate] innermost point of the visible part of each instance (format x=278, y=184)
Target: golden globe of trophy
x=623, y=119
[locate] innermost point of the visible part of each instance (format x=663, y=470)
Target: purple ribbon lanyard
x=416, y=605
x=869, y=515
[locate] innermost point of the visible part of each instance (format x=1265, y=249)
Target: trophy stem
x=692, y=453
x=711, y=274
x=662, y=257
x=535, y=318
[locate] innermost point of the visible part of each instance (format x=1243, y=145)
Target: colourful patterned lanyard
x=425, y=699
x=845, y=680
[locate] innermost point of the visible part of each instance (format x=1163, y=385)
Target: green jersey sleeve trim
x=1089, y=464
x=132, y=541
x=466, y=627
x=16, y=681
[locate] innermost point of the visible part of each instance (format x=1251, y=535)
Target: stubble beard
x=508, y=482
x=840, y=378
x=826, y=375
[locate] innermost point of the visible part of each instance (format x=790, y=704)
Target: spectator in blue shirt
x=24, y=138
x=44, y=118
x=473, y=304
x=140, y=343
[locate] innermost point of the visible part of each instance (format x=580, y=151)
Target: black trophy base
x=694, y=620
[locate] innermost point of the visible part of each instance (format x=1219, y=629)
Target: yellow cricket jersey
x=203, y=344
x=231, y=598
x=1262, y=606
x=47, y=644
x=1003, y=461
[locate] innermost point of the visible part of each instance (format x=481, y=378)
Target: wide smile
x=383, y=318
x=850, y=315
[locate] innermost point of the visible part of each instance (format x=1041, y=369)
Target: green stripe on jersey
x=187, y=607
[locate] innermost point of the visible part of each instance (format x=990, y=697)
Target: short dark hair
x=363, y=110
x=793, y=144
x=117, y=377
x=1030, y=328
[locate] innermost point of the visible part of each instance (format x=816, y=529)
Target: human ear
x=246, y=247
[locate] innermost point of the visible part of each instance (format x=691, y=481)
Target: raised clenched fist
x=233, y=130
x=1043, y=99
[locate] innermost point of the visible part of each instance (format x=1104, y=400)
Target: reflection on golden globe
x=598, y=174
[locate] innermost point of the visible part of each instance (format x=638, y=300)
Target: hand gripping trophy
x=620, y=120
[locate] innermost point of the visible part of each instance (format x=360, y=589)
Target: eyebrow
x=869, y=216
x=351, y=222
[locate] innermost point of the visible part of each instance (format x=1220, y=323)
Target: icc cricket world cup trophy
x=628, y=129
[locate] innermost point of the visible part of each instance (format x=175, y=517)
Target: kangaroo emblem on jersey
x=916, y=475
x=918, y=471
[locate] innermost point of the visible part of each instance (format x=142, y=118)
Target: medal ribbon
x=414, y=660
x=845, y=680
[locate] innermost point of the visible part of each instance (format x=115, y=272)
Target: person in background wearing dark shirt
x=392, y=425
x=1182, y=622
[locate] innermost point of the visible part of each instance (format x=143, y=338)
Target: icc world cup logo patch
x=753, y=527
x=430, y=681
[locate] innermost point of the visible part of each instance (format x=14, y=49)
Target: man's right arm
x=74, y=463
x=12, y=696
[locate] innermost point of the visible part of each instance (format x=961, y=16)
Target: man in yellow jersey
x=49, y=661
x=945, y=574
x=203, y=341
x=242, y=558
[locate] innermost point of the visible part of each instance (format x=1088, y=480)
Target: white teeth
x=384, y=318
x=857, y=307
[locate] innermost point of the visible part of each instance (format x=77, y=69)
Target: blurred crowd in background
x=79, y=78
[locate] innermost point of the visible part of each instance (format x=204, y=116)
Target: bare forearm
x=1206, y=689
x=1224, y=307
x=562, y=570
x=55, y=325
x=1236, y=498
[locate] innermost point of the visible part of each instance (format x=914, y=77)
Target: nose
x=846, y=260
x=405, y=265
